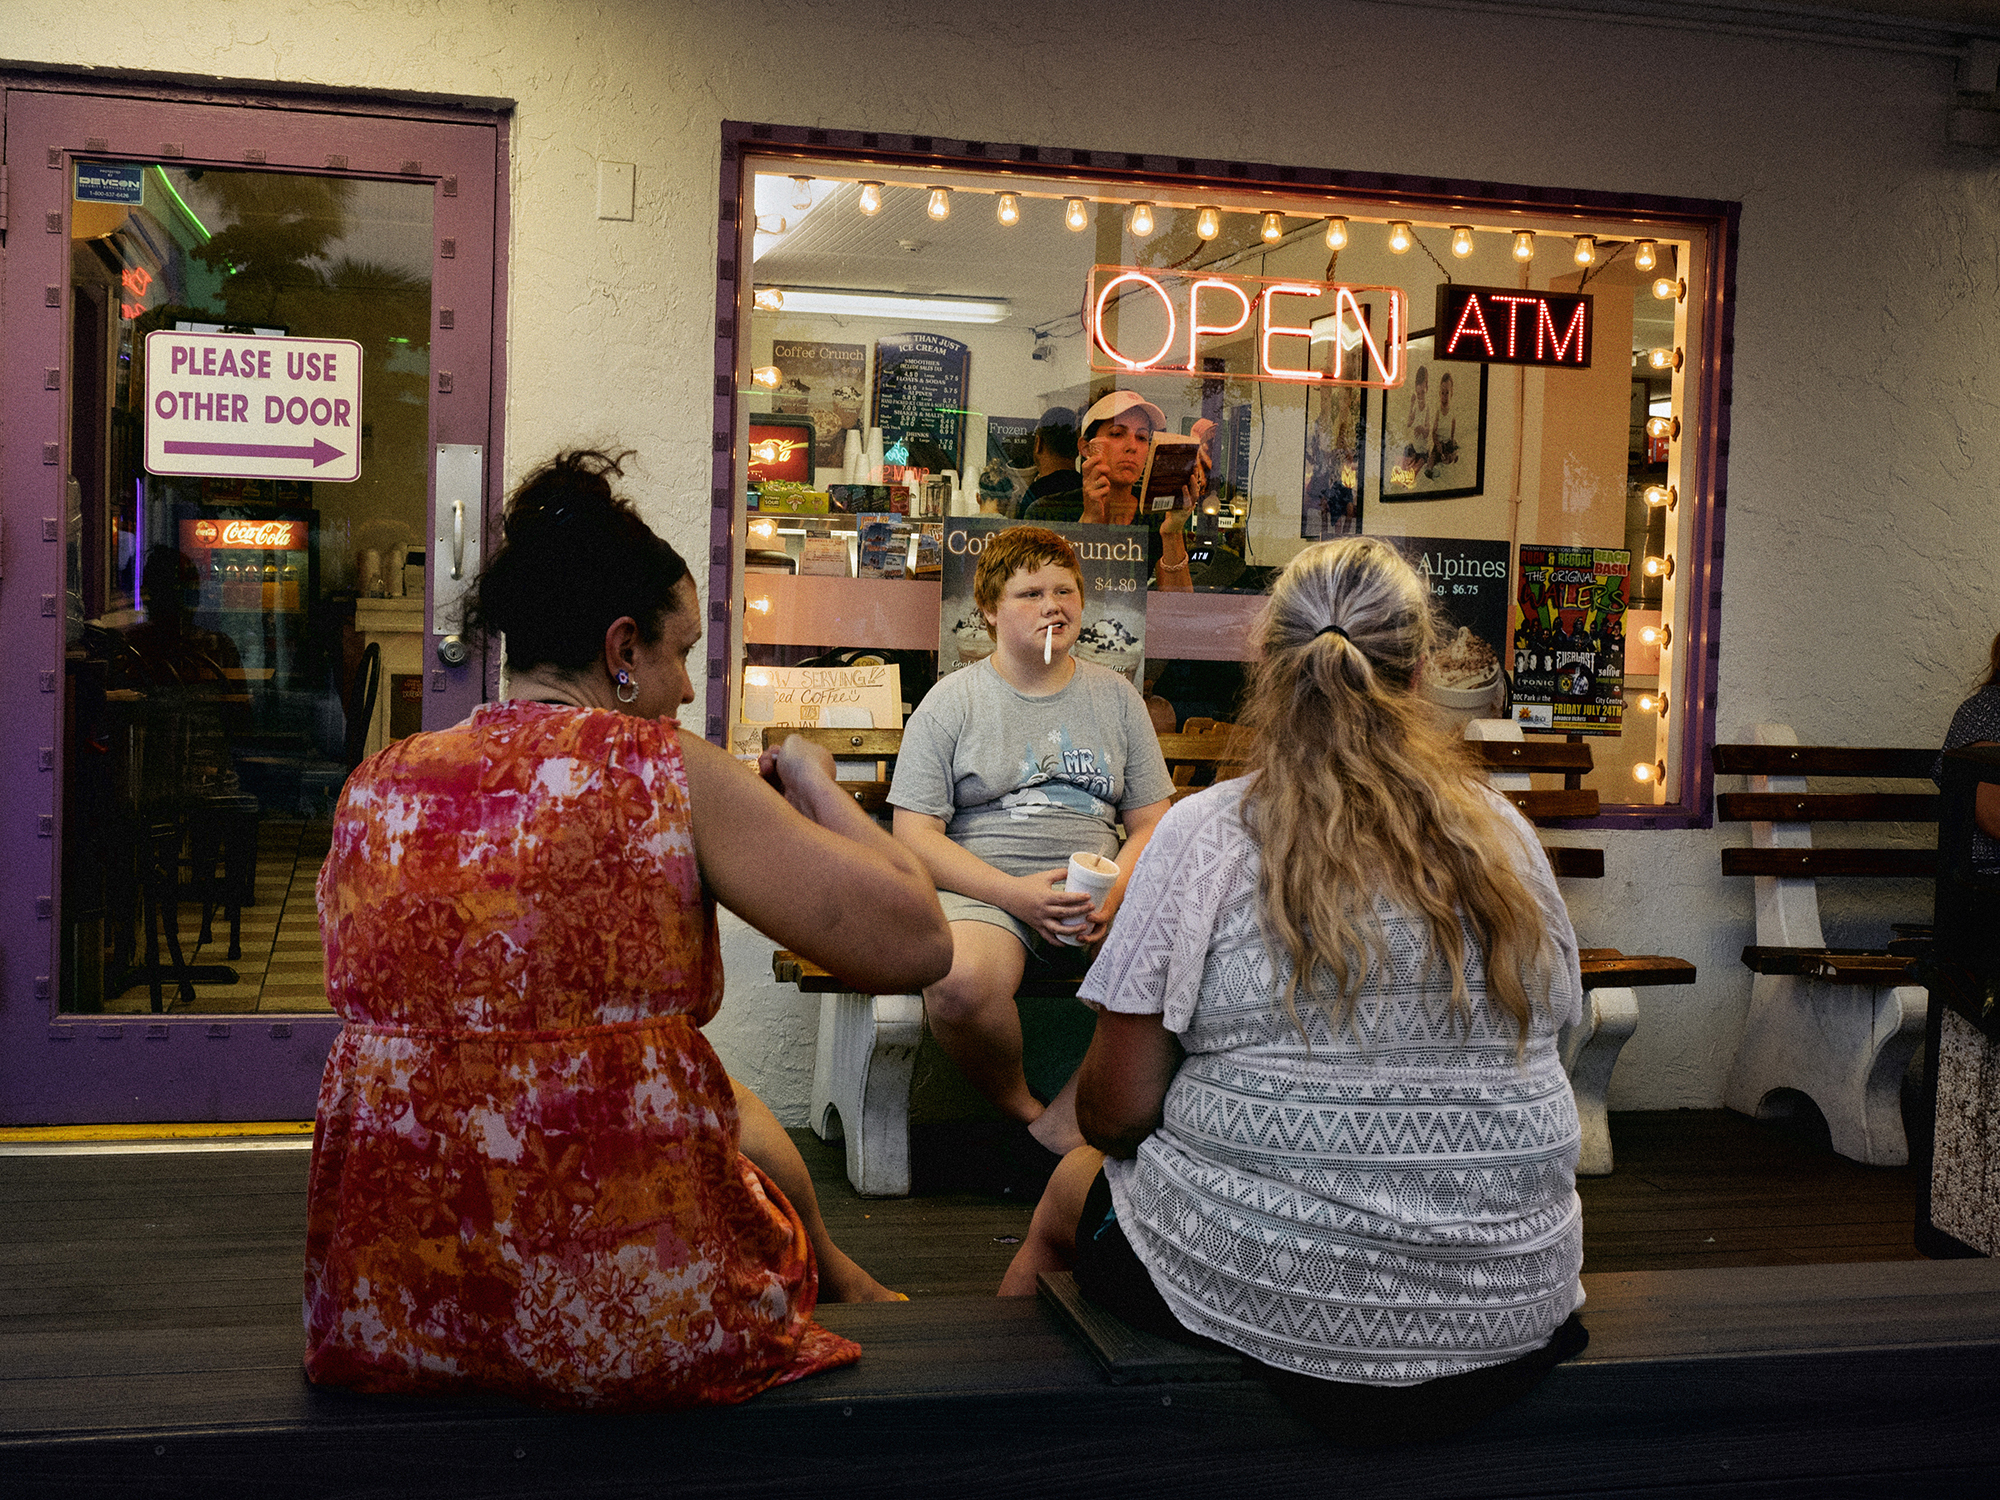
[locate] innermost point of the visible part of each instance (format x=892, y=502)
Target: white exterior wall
x=1862, y=539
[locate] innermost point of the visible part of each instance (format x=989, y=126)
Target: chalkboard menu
x=920, y=385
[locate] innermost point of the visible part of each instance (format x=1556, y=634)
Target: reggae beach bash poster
x=1569, y=642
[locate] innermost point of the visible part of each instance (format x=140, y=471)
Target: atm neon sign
x=1145, y=321
x=1505, y=325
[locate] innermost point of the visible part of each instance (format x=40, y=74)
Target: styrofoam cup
x=1094, y=875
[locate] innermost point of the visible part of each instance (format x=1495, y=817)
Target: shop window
x=1524, y=389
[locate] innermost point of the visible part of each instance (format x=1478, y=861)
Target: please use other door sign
x=248, y=407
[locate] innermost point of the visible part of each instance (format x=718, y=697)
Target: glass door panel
x=236, y=639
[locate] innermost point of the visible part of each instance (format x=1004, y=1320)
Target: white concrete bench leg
x=1589, y=1052
x=861, y=1085
x=1844, y=1047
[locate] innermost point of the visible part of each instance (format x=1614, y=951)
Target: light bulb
x=1524, y=244
x=1400, y=237
x=756, y=677
x=1645, y=255
x=1664, y=359
x=769, y=451
x=1657, y=635
x=1461, y=240
x=1075, y=215
x=767, y=376
x=871, y=198
x=1659, y=567
x=1657, y=495
x=1142, y=218
x=1663, y=427
x=1653, y=703
x=1667, y=289
x=1586, y=249
x=1274, y=226
x=940, y=205
x=760, y=604
x=802, y=193
x=1650, y=772
x=1009, y=211
x=1336, y=233
x=768, y=299
x=1208, y=221
x=763, y=530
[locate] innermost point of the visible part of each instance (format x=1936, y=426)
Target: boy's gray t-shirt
x=1026, y=782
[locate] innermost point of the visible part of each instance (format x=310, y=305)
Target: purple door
x=247, y=414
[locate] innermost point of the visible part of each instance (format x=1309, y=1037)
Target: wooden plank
x=858, y=743
x=1836, y=965
x=1633, y=970
x=1818, y=807
x=1531, y=755
x=1131, y=1355
x=1573, y=863
x=1541, y=806
x=1816, y=862
x=790, y=968
x=1824, y=760
x=1204, y=749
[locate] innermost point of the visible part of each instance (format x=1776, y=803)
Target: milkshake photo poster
x=1112, y=632
x=1569, y=644
x=1469, y=591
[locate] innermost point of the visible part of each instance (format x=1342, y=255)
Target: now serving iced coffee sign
x=250, y=407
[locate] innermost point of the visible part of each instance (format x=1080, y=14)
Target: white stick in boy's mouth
x=1049, y=646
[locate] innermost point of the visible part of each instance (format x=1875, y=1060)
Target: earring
x=628, y=690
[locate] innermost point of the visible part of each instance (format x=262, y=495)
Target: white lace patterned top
x=1396, y=1201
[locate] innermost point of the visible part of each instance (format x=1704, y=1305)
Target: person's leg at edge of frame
x=1051, y=1241
x=764, y=1141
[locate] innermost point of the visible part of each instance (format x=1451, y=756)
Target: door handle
x=461, y=480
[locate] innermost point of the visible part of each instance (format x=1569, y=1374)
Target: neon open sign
x=1506, y=325
x=1145, y=321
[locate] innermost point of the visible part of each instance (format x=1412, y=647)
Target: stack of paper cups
x=850, y=470
x=1094, y=875
x=871, y=457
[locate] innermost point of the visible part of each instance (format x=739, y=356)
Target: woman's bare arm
x=818, y=875
x=1123, y=1081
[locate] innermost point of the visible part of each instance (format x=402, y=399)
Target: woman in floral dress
x=531, y=1173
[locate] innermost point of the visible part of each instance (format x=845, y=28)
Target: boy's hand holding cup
x=1094, y=875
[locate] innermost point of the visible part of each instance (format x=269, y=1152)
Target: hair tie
x=1333, y=630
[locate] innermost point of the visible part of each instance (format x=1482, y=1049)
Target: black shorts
x=1111, y=1274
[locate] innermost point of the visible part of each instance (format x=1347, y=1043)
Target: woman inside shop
x=1007, y=768
x=1117, y=435
x=1329, y=1126
x=531, y=1174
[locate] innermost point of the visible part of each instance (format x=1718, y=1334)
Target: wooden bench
x=1837, y=1025
x=1810, y=1380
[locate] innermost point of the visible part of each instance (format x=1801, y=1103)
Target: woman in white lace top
x=1363, y=1178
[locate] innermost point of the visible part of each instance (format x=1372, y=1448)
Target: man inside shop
x=1056, y=494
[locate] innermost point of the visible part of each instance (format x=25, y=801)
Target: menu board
x=824, y=382
x=1468, y=583
x=1569, y=642
x=920, y=385
x=1112, y=632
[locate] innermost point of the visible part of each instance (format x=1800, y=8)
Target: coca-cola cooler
x=259, y=579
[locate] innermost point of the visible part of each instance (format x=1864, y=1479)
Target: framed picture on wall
x=1336, y=442
x=1434, y=428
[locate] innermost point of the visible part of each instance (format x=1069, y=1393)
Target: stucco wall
x=1862, y=539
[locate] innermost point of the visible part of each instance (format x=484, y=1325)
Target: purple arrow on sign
x=319, y=452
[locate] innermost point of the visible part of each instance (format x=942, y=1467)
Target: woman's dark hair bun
x=574, y=557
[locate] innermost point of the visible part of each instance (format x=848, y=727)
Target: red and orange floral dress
x=525, y=1176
